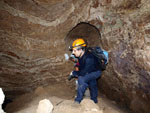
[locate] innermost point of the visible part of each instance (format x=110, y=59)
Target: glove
x=66, y=56
x=70, y=76
x=73, y=58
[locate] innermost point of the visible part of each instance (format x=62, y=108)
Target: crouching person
x=88, y=71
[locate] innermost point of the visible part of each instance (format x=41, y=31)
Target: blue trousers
x=89, y=80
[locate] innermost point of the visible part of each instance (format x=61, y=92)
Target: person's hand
x=66, y=56
x=70, y=76
x=71, y=58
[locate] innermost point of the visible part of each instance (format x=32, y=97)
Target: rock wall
x=33, y=43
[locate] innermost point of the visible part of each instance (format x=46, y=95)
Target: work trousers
x=89, y=80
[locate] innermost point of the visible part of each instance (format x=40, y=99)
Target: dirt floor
x=62, y=98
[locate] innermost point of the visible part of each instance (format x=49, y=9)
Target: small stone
x=45, y=106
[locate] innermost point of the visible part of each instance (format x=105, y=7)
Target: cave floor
x=56, y=93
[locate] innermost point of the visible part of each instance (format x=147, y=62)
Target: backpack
x=101, y=55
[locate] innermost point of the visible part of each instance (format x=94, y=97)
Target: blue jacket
x=88, y=63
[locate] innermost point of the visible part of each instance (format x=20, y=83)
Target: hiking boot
x=76, y=104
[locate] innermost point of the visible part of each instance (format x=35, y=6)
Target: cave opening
x=84, y=30
x=90, y=33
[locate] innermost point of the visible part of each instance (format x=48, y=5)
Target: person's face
x=77, y=52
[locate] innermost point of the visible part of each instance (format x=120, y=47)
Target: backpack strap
x=99, y=54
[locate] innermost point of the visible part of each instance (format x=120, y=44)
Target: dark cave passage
x=86, y=31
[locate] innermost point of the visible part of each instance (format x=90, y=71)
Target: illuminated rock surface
x=35, y=35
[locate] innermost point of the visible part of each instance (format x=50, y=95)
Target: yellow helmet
x=78, y=43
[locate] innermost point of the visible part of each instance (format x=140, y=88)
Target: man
x=88, y=70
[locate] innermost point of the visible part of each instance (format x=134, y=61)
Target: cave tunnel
x=86, y=31
x=36, y=34
x=82, y=30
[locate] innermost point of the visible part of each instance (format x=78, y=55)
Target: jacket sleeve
x=89, y=62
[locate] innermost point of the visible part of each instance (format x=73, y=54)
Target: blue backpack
x=101, y=55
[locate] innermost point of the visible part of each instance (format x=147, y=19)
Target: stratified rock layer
x=34, y=35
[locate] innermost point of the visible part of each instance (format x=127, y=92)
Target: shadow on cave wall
x=86, y=31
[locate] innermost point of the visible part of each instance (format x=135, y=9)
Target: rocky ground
x=61, y=96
